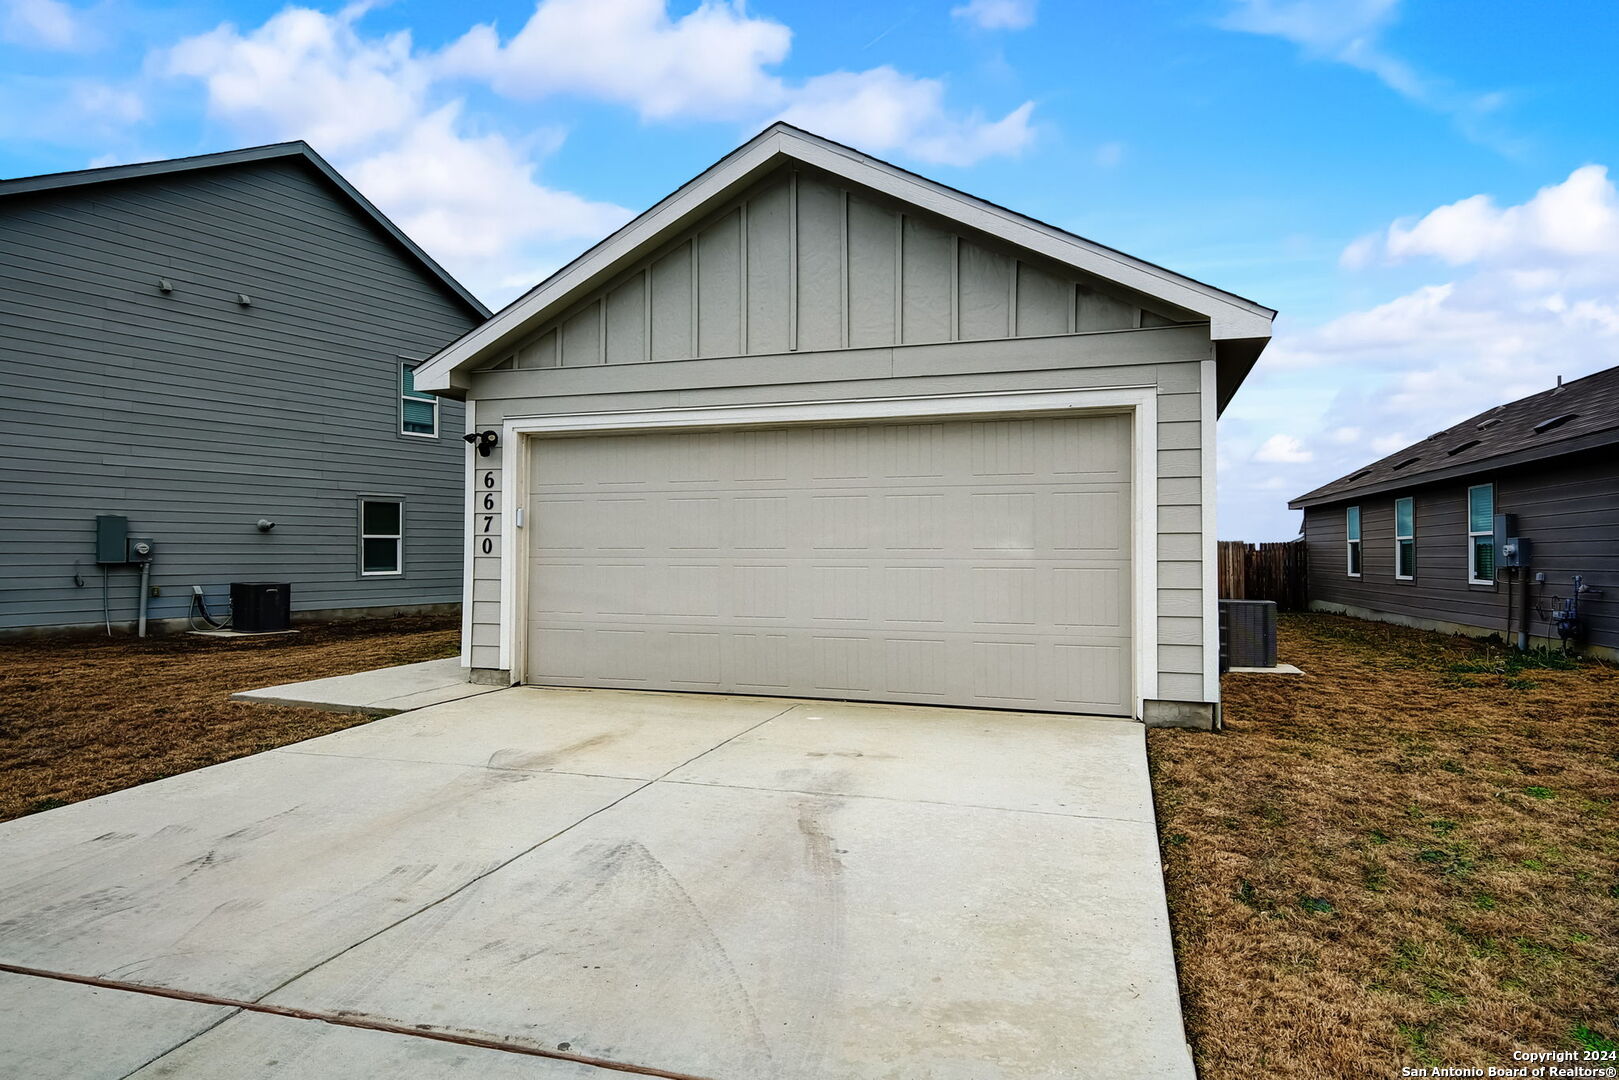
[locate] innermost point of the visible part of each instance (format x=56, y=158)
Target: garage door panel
x=760, y=591
x=759, y=522
x=973, y=563
x=917, y=668
x=1024, y=597
x=1010, y=670
x=1089, y=596
x=759, y=661
x=694, y=659
x=1083, y=673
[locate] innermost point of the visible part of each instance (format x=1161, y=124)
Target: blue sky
x=1420, y=188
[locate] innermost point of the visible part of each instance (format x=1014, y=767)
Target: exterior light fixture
x=485, y=441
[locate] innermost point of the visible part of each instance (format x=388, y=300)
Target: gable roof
x=1233, y=319
x=1572, y=416
x=299, y=151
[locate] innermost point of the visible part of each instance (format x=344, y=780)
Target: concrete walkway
x=563, y=883
x=385, y=691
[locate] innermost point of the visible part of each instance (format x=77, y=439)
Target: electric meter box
x=1510, y=551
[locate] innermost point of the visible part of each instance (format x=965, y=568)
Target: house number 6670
x=488, y=544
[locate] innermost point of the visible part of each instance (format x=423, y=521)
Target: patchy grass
x=1407, y=856
x=84, y=715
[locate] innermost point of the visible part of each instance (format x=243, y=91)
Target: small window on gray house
x=1352, y=544
x=1481, y=534
x=382, y=537
x=418, y=412
x=1405, y=539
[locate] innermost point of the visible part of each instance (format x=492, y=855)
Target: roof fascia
x=1528, y=456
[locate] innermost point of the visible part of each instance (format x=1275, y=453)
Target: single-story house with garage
x=1488, y=528
x=206, y=370
x=816, y=426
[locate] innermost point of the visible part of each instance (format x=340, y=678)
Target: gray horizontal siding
x=1567, y=508
x=195, y=416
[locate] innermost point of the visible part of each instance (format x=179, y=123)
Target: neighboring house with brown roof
x=1414, y=538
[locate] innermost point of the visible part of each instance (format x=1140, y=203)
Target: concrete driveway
x=584, y=884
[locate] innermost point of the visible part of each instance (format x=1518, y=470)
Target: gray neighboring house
x=202, y=343
x=817, y=426
x=1412, y=538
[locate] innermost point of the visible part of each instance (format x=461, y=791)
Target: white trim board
x=1230, y=316
x=468, y=533
x=1211, y=548
x=1141, y=402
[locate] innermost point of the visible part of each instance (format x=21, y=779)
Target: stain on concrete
x=547, y=760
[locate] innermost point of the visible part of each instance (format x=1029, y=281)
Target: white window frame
x=1352, y=545
x=412, y=365
x=1473, y=537
x=1410, y=537
x=398, y=538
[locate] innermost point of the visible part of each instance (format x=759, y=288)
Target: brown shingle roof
x=1577, y=414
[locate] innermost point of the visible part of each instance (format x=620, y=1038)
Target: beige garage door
x=981, y=563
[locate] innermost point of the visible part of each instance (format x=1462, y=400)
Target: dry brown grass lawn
x=81, y=716
x=1400, y=858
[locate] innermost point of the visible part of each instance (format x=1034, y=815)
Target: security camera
x=485, y=441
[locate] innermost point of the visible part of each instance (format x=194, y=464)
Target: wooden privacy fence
x=1264, y=572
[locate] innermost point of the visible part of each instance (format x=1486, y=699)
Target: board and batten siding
x=802, y=264
x=196, y=416
x=1568, y=508
x=1169, y=359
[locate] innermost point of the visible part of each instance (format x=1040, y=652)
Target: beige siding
x=802, y=264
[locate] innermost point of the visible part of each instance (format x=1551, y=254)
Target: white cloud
x=306, y=75
x=715, y=63
x=1110, y=155
x=490, y=226
x=42, y=24
x=996, y=14
x=1574, y=221
x=1324, y=27
x=1348, y=31
x=710, y=62
x=103, y=102
x=470, y=199
x=1532, y=293
x=884, y=111
x=1283, y=450
x=382, y=109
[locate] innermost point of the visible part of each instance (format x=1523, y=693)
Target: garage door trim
x=1138, y=401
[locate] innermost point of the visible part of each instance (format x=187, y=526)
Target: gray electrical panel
x=112, y=539
x=1510, y=550
x=141, y=549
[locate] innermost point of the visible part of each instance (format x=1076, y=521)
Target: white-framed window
x=1352, y=541
x=1481, y=534
x=418, y=412
x=382, y=536
x=1405, y=538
